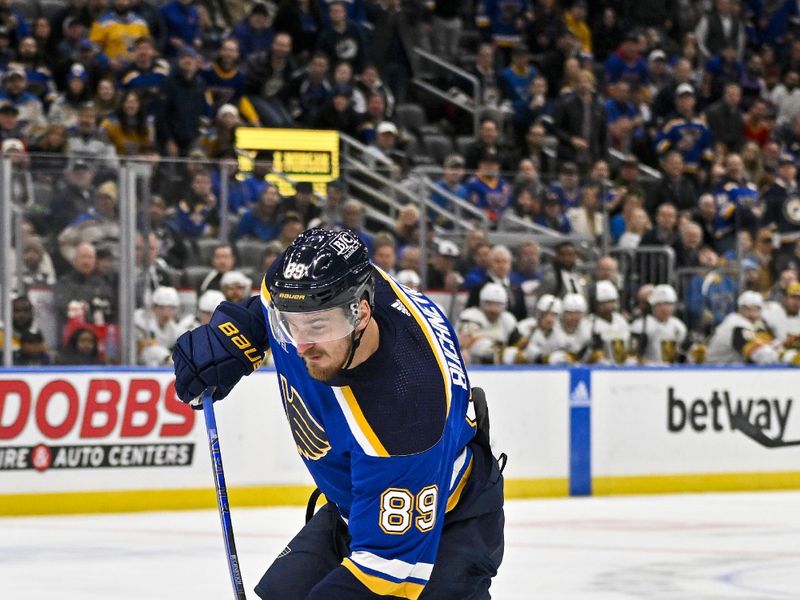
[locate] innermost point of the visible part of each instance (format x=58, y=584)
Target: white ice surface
x=687, y=547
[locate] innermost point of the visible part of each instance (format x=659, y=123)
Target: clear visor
x=314, y=327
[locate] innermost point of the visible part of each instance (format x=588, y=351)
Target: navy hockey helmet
x=321, y=269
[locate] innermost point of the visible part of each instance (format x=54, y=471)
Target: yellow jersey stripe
x=265, y=297
x=423, y=325
x=362, y=423
x=383, y=587
x=456, y=495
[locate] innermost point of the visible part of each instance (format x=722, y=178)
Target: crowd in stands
x=605, y=130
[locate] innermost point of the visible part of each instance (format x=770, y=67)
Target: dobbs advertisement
x=715, y=421
x=107, y=423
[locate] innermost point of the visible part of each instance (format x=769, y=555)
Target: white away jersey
x=610, y=339
x=657, y=342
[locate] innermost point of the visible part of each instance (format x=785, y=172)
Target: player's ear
x=365, y=314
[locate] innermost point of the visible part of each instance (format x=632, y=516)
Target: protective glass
x=313, y=327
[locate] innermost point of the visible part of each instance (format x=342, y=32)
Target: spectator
x=743, y=337
x=664, y=102
x=450, y=183
x=580, y=124
x=757, y=123
x=665, y=233
x=113, y=31
x=567, y=189
x=171, y=245
x=515, y=80
x=353, y=216
x=29, y=107
x=442, y=274
x=84, y=285
x=552, y=215
x=561, y=277
x=267, y=75
x=332, y=205
x=10, y=127
x=609, y=329
x=527, y=268
x=487, y=189
x=236, y=286
x=624, y=120
x=786, y=97
x=262, y=220
x=780, y=200
x=181, y=105
x=312, y=90
x=736, y=199
x=37, y=266
x=291, y=227
x=687, y=250
x=254, y=33
x=545, y=30
x=65, y=107
x=484, y=329
x=384, y=253
x=302, y=21
x=445, y=29
x=99, y=226
x=225, y=82
x=106, y=99
x=146, y=73
x=637, y=223
x=674, y=187
x=197, y=209
x=130, y=129
x=485, y=71
x=720, y=27
x=688, y=134
x=537, y=108
x=157, y=326
x=82, y=348
x=393, y=39
x=587, y=219
x=488, y=140
x=222, y=261
x=369, y=84
x=39, y=75
x=499, y=272
x=338, y=112
x=74, y=11
x=32, y=350
x=182, y=21
x=85, y=142
x=152, y=271
x=409, y=259
x=303, y=203
x=342, y=40
x=627, y=63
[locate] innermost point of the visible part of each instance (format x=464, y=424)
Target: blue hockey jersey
x=386, y=441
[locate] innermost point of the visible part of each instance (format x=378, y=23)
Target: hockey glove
x=218, y=354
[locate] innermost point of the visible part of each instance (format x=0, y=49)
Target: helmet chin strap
x=354, y=344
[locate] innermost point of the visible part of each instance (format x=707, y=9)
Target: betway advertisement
x=687, y=421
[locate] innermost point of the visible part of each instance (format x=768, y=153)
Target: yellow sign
x=298, y=154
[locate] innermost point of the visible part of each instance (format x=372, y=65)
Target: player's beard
x=325, y=372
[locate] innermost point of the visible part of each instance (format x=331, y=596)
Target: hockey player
x=659, y=338
x=484, y=330
x=376, y=395
x=158, y=327
x=743, y=336
x=575, y=327
x=206, y=305
x=540, y=340
x=784, y=321
x=610, y=330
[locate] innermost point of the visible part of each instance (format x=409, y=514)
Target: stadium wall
x=109, y=440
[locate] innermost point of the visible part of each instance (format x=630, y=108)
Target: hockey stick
x=757, y=434
x=222, y=496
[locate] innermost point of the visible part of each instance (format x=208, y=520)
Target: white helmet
x=493, y=292
x=235, y=278
x=409, y=278
x=166, y=296
x=210, y=300
x=574, y=303
x=662, y=294
x=606, y=292
x=750, y=298
x=548, y=303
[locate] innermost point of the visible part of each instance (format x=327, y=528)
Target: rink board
x=80, y=440
x=669, y=430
